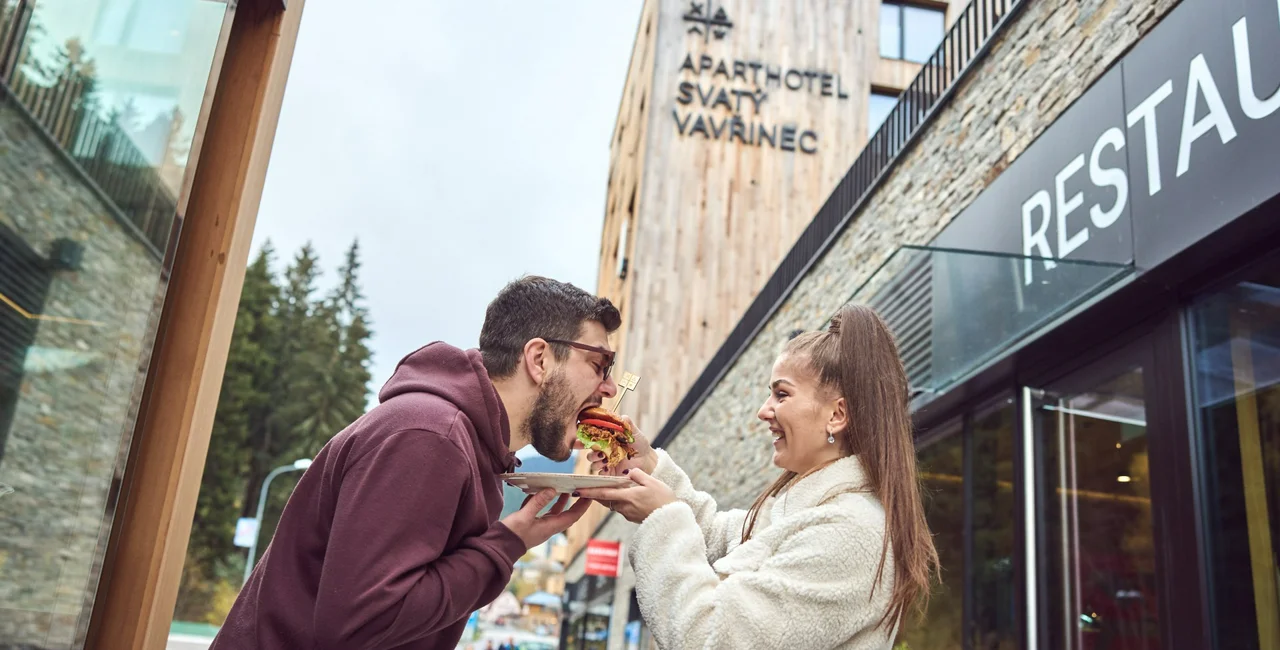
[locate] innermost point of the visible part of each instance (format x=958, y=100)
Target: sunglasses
x=607, y=354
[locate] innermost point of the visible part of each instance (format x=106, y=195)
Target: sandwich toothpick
x=627, y=382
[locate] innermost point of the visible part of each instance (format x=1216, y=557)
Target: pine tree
x=294, y=351
x=337, y=393
x=353, y=350
x=297, y=373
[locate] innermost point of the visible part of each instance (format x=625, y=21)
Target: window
x=993, y=621
x=910, y=32
x=1235, y=344
x=878, y=108
x=942, y=474
x=622, y=249
x=967, y=474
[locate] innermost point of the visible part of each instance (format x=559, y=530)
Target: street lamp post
x=300, y=464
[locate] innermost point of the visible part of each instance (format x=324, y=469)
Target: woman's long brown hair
x=858, y=357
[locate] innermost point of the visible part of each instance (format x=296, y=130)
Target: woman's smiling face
x=801, y=414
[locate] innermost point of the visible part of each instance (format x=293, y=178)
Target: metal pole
x=1029, y=515
x=262, y=505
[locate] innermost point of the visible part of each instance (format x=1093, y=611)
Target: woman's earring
x=831, y=438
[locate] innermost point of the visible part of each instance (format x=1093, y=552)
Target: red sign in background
x=603, y=558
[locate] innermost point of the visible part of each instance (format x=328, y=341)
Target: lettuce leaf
x=591, y=444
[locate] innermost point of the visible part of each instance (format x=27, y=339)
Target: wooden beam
x=141, y=575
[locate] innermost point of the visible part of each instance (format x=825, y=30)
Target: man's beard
x=549, y=418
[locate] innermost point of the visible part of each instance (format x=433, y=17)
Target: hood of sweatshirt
x=459, y=377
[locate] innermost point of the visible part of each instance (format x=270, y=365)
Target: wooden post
x=140, y=579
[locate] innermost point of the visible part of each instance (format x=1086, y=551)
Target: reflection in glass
x=118, y=84
x=98, y=106
x=923, y=30
x=993, y=626
x=1236, y=354
x=890, y=30
x=1098, y=533
x=910, y=32
x=879, y=106
x=586, y=626
x=942, y=473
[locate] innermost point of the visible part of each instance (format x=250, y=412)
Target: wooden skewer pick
x=626, y=383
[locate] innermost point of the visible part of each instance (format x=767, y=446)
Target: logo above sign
x=706, y=24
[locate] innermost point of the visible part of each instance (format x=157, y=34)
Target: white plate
x=564, y=483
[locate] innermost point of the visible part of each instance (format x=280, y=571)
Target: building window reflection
x=99, y=101
x=1236, y=357
x=1098, y=533
x=966, y=469
x=993, y=624
x=942, y=474
x=880, y=104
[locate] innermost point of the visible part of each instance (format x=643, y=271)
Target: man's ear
x=537, y=360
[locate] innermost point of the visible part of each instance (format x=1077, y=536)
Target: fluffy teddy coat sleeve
x=809, y=580
x=720, y=530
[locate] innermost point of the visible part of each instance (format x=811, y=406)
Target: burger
x=602, y=431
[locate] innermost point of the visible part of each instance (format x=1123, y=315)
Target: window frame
x=901, y=6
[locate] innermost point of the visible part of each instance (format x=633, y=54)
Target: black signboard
x=1218, y=152
x=1179, y=139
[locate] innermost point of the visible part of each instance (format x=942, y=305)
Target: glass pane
x=942, y=473
x=926, y=295
x=994, y=623
x=890, y=31
x=1236, y=339
x=1098, y=536
x=878, y=109
x=98, y=106
x=923, y=32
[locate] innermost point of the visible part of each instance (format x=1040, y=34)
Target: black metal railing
x=964, y=43
x=59, y=97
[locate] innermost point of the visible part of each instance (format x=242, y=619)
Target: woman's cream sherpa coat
x=804, y=580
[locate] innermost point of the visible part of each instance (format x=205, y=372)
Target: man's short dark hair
x=535, y=307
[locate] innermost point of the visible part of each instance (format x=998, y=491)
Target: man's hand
x=646, y=459
x=534, y=530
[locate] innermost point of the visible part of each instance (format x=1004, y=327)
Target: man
x=389, y=541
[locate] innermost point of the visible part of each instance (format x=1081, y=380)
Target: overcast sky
x=463, y=143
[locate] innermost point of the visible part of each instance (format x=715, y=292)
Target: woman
x=833, y=553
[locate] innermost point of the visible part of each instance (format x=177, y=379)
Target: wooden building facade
x=736, y=121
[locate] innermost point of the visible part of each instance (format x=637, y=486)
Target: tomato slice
x=602, y=424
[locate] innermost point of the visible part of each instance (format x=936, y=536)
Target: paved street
x=187, y=642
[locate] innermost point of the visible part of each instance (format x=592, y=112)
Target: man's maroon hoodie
x=390, y=539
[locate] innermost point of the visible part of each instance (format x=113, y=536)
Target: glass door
x=1095, y=552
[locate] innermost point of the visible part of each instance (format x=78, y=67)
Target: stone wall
x=79, y=393
x=1035, y=69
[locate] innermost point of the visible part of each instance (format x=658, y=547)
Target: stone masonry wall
x=1037, y=67
x=75, y=413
